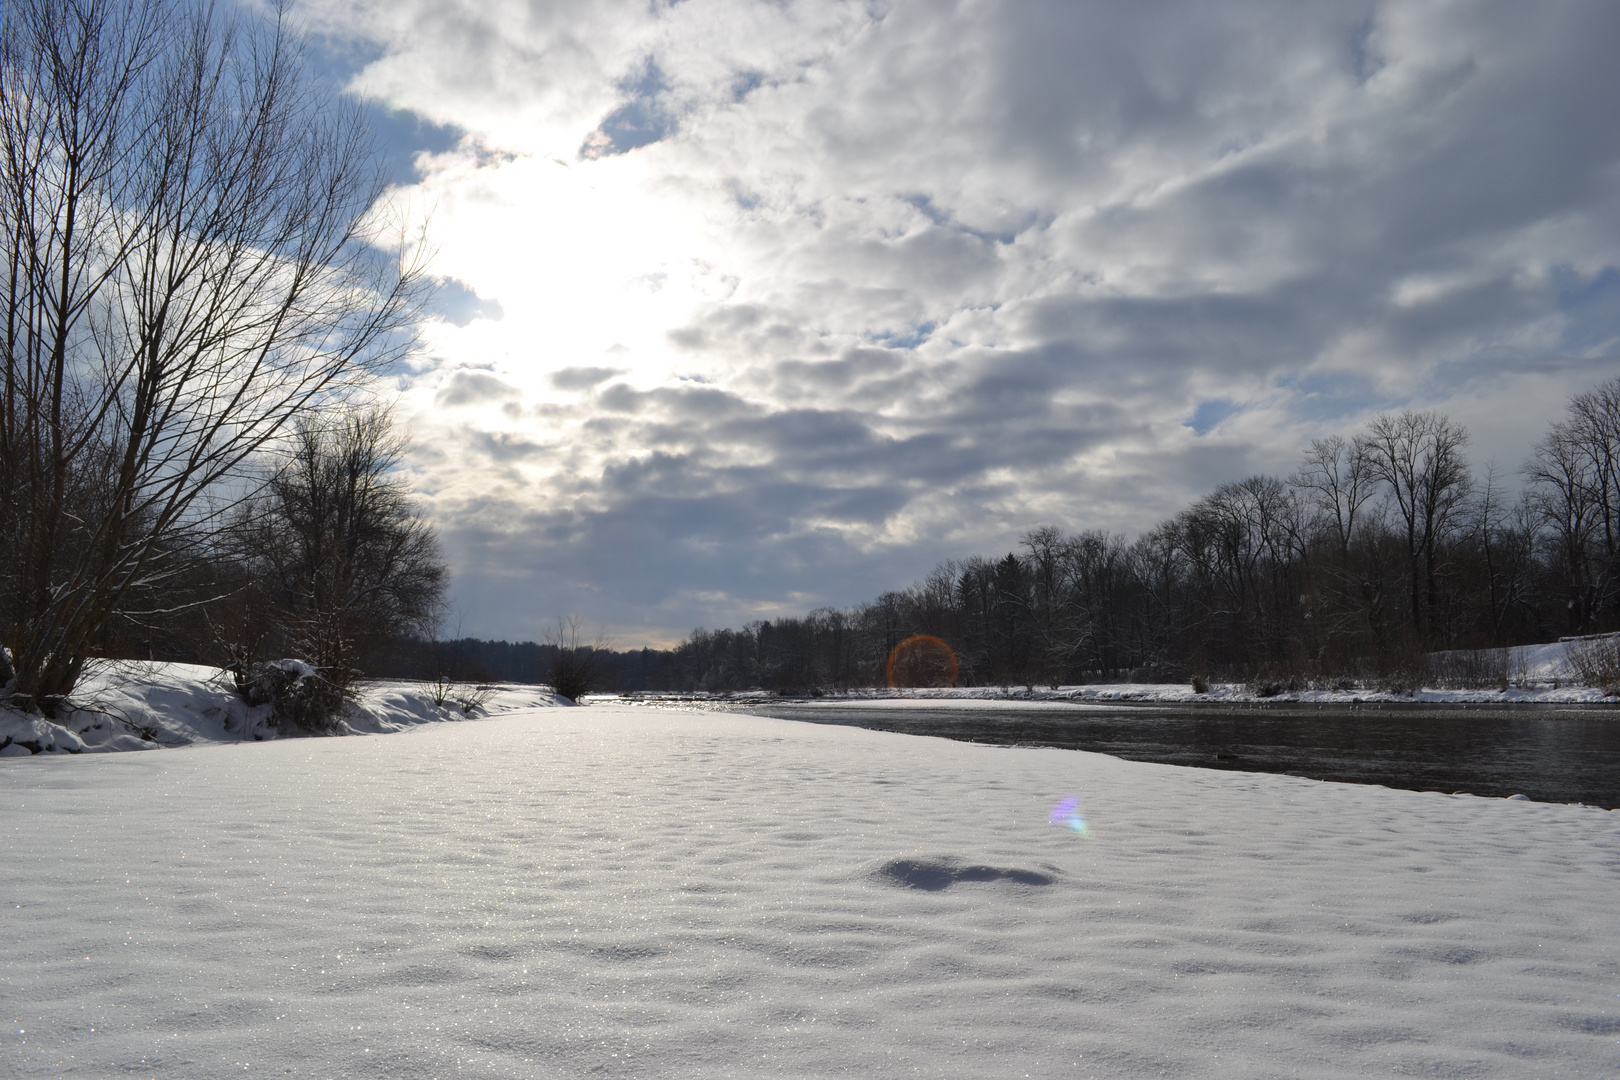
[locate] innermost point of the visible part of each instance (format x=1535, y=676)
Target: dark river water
x=1550, y=754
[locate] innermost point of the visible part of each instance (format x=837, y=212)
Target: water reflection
x=1550, y=755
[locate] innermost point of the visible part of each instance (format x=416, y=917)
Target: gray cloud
x=582, y=378
x=971, y=269
x=504, y=449
x=473, y=388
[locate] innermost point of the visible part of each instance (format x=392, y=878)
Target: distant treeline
x=474, y=660
x=1377, y=550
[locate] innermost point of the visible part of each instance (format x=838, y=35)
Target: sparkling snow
x=633, y=892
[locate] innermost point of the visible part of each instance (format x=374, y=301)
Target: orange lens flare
x=923, y=660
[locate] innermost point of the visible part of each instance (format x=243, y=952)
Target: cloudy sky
x=753, y=307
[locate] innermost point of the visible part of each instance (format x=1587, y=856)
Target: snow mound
x=21, y=736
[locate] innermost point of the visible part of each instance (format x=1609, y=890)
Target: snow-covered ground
x=646, y=893
x=129, y=705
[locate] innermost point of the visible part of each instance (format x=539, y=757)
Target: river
x=1557, y=754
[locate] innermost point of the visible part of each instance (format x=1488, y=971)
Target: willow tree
x=188, y=227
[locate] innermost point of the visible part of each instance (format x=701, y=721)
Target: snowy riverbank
x=1534, y=674
x=144, y=706
x=129, y=705
x=639, y=892
x=1154, y=693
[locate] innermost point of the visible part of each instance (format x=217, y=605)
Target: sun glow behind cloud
x=796, y=298
x=585, y=262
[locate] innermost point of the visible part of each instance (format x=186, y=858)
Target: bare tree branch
x=191, y=259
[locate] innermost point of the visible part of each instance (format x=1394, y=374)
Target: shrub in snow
x=297, y=693
x=577, y=666
x=469, y=698
x=1161, y=672
x=1596, y=660
x=1470, y=669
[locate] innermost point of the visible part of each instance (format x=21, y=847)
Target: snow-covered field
x=637, y=892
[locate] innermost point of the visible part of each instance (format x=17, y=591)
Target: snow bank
x=1538, y=674
x=1162, y=693
x=142, y=706
x=641, y=893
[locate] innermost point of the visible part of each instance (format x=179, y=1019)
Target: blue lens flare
x=1067, y=812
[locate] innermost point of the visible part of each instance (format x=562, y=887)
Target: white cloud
x=798, y=297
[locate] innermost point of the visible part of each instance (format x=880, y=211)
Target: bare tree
x=1574, y=489
x=1503, y=541
x=1418, y=456
x=190, y=259
x=1099, y=572
x=1338, y=475
x=1562, y=491
x=1595, y=420
x=1244, y=549
x=1053, y=629
x=339, y=547
x=576, y=661
x=1338, y=481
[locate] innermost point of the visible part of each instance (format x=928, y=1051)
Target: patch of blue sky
x=911, y=337
x=642, y=120
x=746, y=83
x=1333, y=396
x=745, y=199
x=1365, y=58
x=1210, y=413
x=402, y=135
x=399, y=133
x=458, y=304
x=1591, y=309
x=924, y=205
